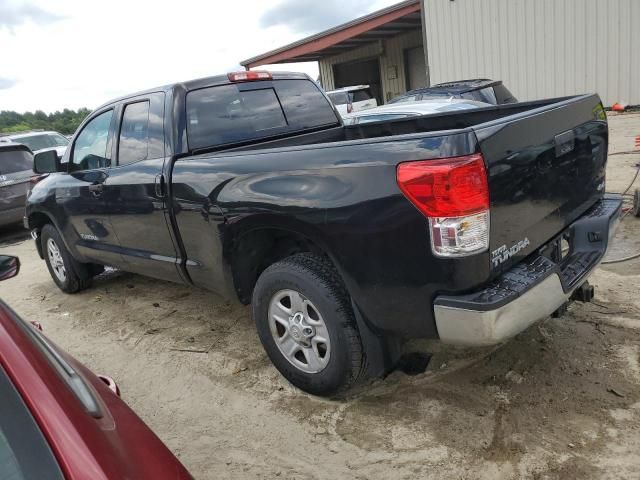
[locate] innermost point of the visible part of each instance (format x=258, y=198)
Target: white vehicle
x=411, y=109
x=37, y=141
x=352, y=99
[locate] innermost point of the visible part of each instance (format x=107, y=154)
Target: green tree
x=65, y=122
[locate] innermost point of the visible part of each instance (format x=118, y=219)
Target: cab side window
x=488, y=96
x=133, y=145
x=90, y=147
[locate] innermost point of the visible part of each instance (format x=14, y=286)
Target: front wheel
x=305, y=322
x=69, y=275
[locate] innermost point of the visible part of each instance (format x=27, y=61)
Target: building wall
x=393, y=58
x=391, y=53
x=369, y=50
x=539, y=48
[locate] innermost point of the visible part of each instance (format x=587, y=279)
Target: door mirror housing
x=46, y=162
x=9, y=267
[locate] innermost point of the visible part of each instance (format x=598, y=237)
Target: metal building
x=383, y=49
x=539, y=48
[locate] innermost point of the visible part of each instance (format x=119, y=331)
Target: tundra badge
x=502, y=254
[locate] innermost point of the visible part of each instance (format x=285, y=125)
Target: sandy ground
x=561, y=400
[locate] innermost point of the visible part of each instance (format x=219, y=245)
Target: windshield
x=42, y=141
x=416, y=97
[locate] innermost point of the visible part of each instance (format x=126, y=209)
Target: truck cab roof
x=203, y=82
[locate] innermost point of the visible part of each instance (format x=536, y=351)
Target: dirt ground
x=561, y=400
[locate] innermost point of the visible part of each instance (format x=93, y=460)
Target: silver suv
x=39, y=140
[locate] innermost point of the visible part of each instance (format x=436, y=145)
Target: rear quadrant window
x=14, y=160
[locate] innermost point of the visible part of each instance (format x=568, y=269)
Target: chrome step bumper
x=532, y=290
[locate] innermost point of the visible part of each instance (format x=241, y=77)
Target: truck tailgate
x=546, y=167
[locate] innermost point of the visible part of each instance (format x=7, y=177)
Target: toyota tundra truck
x=465, y=226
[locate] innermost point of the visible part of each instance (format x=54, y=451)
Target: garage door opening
x=366, y=72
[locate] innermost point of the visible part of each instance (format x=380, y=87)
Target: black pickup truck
x=466, y=226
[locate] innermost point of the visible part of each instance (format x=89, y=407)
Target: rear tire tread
x=322, y=272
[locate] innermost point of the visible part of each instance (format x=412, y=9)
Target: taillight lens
x=453, y=194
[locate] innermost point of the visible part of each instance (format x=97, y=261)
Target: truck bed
x=545, y=164
x=439, y=122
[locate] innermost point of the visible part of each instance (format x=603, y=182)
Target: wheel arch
x=36, y=221
x=252, y=249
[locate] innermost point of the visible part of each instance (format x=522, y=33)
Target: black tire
x=317, y=280
x=636, y=203
x=78, y=275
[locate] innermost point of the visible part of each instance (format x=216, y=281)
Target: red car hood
x=117, y=445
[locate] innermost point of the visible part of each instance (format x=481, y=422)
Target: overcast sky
x=76, y=53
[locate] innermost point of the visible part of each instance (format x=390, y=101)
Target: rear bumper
x=533, y=289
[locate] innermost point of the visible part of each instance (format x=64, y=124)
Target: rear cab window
x=361, y=95
x=236, y=113
x=488, y=96
x=339, y=98
x=14, y=160
x=503, y=95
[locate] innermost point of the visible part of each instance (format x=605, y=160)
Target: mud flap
x=381, y=352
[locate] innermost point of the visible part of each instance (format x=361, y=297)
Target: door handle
x=159, y=186
x=96, y=188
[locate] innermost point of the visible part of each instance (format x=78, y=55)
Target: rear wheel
x=305, y=322
x=69, y=275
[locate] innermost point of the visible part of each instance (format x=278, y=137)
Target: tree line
x=64, y=122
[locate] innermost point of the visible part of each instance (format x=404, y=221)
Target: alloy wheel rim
x=299, y=331
x=56, y=261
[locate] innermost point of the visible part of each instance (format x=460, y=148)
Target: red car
x=60, y=421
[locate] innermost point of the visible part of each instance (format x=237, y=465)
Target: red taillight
x=349, y=107
x=249, y=76
x=450, y=187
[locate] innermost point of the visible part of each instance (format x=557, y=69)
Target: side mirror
x=46, y=162
x=9, y=267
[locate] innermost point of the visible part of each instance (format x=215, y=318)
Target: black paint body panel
x=337, y=187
